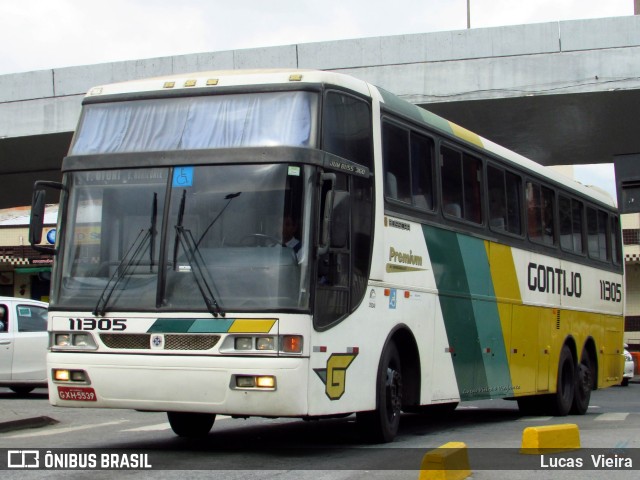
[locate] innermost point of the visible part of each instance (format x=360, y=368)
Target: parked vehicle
x=23, y=344
x=628, y=368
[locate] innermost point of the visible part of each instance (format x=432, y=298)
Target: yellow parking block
x=447, y=462
x=550, y=439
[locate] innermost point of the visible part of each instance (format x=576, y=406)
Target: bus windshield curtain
x=269, y=119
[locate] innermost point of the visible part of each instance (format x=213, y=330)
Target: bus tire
x=584, y=385
x=560, y=403
x=191, y=425
x=381, y=425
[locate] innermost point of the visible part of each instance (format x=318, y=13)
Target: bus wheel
x=584, y=384
x=382, y=424
x=191, y=425
x=562, y=400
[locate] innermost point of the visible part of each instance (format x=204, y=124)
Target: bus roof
x=202, y=81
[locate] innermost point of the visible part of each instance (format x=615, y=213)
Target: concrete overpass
x=559, y=93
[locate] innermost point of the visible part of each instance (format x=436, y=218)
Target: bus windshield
x=183, y=238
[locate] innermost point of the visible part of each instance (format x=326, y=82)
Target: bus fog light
x=244, y=343
x=265, y=343
x=245, y=382
x=78, y=376
x=266, y=382
x=291, y=344
x=61, y=375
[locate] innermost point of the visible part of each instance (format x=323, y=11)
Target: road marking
x=150, y=428
x=56, y=431
x=611, y=417
x=534, y=419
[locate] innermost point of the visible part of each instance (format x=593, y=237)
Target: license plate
x=81, y=394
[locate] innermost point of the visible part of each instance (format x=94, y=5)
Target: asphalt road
x=328, y=449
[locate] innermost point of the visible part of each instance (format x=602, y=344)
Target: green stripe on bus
x=190, y=325
x=457, y=311
x=416, y=113
x=492, y=347
x=470, y=314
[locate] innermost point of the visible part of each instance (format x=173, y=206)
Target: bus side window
x=540, y=214
x=570, y=211
x=461, y=185
x=597, y=233
x=451, y=187
x=421, y=171
x=497, y=199
x=346, y=128
x=408, y=166
x=396, y=162
x=615, y=240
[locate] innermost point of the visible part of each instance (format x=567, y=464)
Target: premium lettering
x=406, y=258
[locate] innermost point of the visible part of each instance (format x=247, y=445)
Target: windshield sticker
x=183, y=177
x=24, y=311
x=293, y=171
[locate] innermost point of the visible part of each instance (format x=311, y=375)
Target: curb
x=23, y=423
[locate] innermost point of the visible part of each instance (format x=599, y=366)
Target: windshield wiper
x=121, y=271
x=196, y=262
x=228, y=198
x=129, y=259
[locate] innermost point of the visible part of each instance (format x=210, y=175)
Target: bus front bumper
x=182, y=383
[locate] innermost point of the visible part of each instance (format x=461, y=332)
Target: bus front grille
x=142, y=341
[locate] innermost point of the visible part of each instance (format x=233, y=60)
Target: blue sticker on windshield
x=183, y=177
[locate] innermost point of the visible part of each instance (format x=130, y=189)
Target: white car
x=23, y=344
x=628, y=368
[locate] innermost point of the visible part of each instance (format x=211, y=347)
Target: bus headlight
x=262, y=344
x=265, y=343
x=244, y=343
x=73, y=341
x=83, y=340
x=62, y=340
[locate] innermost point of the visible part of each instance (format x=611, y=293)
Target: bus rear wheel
x=191, y=425
x=584, y=385
x=382, y=424
x=560, y=403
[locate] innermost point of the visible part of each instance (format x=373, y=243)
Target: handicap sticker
x=183, y=177
x=392, y=298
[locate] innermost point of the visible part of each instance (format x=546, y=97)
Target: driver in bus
x=289, y=231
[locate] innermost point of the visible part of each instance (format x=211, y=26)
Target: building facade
x=24, y=272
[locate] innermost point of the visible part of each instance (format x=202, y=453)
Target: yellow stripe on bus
x=467, y=135
x=503, y=273
x=253, y=325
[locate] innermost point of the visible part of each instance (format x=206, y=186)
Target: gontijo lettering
x=554, y=280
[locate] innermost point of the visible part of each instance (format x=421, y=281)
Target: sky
x=46, y=34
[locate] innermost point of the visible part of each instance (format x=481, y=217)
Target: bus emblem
x=157, y=342
x=334, y=376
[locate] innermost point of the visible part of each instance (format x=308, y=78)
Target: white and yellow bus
x=304, y=244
